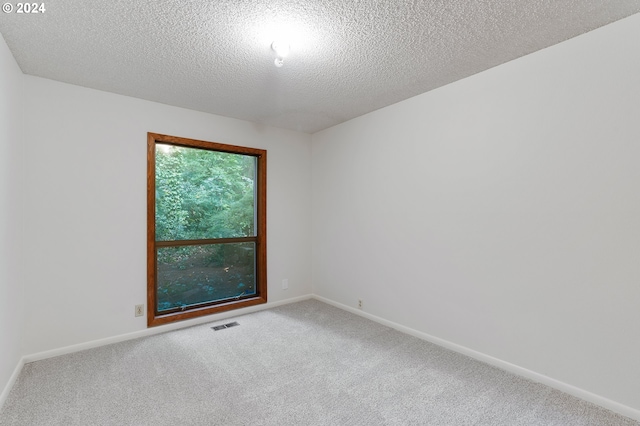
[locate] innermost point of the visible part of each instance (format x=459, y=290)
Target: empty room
x=320, y=213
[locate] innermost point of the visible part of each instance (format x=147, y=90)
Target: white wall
x=85, y=207
x=11, y=295
x=500, y=212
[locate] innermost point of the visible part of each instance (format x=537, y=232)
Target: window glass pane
x=191, y=275
x=203, y=194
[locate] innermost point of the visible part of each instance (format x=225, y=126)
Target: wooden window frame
x=155, y=318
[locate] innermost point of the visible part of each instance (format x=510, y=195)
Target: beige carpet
x=301, y=364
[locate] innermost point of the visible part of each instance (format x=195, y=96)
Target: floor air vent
x=223, y=326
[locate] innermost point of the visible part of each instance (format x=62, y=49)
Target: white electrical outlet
x=139, y=310
x=285, y=284
x=359, y=304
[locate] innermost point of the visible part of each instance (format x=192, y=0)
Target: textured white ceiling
x=348, y=57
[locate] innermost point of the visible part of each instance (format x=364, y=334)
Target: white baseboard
x=157, y=330
x=134, y=335
x=512, y=368
x=12, y=380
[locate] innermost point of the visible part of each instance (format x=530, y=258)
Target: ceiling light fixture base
x=282, y=49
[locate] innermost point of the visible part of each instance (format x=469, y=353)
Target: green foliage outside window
x=203, y=194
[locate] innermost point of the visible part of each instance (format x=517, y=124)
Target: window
x=206, y=228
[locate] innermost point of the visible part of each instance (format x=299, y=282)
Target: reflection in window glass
x=192, y=275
